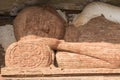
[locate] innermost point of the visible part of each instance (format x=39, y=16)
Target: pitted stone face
x=40, y=21
x=2, y=54
x=28, y=55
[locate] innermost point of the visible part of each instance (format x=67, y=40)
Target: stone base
x=55, y=72
x=60, y=74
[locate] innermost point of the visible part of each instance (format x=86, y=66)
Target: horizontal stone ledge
x=57, y=72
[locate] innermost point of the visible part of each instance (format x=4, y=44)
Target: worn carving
x=41, y=21
x=51, y=42
x=108, y=55
x=69, y=60
x=97, y=29
x=2, y=54
x=28, y=54
x=72, y=34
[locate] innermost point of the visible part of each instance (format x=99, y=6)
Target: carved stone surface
x=2, y=53
x=106, y=54
x=51, y=42
x=57, y=72
x=41, y=21
x=96, y=30
x=69, y=60
x=1, y=78
x=72, y=34
x=100, y=30
x=28, y=54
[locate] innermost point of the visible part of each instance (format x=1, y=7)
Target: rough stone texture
x=96, y=30
x=2, y=55
x=28, y=54
x=109, y=53
x=72, y=34
x=76, y=61
x=7, y=36
x=70, y=78
x=41, y=21
x=51, y=42
x=13, y=6
x=5, y=20
x=100, y=30
x=1, y=78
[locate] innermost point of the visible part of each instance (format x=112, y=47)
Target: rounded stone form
x=68, y=60
x=28, y=54
x=40, y=21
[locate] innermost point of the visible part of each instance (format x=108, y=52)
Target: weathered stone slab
x=58, y=72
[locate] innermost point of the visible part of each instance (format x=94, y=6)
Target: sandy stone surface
x=110, y=53
x=68, y=60
x=1, y=78
x=28, y=54
x=51, y=42
x=41, y=21
x=2, y=55
x=96, y=30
